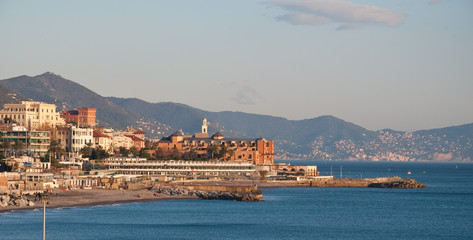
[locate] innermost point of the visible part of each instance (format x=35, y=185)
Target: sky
x=399, y=64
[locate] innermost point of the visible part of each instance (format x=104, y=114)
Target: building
x=119, y=140
x=257, y=151
x=103, y=140
x=79, y=138
x=32, y=115
x=32, y=141
x=182, y=169
x=139, y=134
x=84, y=117
x=137, y=142
x=38, y=181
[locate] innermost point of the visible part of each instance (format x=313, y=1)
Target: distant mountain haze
x=321, y=138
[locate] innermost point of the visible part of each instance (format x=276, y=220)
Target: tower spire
x=204, y=125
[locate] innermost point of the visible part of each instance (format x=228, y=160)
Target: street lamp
x=44, y=197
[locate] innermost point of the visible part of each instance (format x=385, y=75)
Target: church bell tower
x=204, y=125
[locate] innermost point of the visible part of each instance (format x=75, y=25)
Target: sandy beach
x=94, y=197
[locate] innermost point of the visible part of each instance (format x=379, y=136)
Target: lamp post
x=44, y=197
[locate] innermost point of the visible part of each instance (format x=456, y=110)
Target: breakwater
x=16, y=200
x=384, y=182
x=235, y=193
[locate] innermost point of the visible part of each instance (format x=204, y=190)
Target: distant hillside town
x=40, y=146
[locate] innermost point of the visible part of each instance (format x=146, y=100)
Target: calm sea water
x=442, y=211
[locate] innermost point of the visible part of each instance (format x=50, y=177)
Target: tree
x=134, y=151
x=175, y=154
x=146, y=155
x=86, y=151
x=18, y=146
x=222, y=152
x=212, y=150
x=148, y=144
x=99, y=153
x=6, y=144
x=191, y=153
x=124, y=151
x=56, y=149
x=230, y=154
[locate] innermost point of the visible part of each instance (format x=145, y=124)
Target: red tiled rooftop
x=99, y=134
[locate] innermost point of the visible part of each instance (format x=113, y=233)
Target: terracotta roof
x=134, y=138
x=139, y=132
x=99, y=134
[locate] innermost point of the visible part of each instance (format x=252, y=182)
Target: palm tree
x=6, y=145
x=212, y=150
x=18, y=146
x=222, y=153
x=55, y=147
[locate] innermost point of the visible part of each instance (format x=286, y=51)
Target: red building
x=84, y=117
x=137, y=142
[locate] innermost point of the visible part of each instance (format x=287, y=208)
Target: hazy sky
x=400, y=64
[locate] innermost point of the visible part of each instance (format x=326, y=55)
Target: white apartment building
x=79, y=138
x=32, y=115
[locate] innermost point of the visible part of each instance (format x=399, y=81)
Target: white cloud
x=246, y=95
x=349, y=15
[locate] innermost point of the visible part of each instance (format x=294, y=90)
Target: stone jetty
x=15, y=200
x=254, y=196
x=406, y=183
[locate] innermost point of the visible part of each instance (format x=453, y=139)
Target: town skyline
x=407, y=68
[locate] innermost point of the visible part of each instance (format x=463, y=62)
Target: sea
x=444, y=210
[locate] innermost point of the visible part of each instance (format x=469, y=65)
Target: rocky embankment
x=406, y=183
x=15, y=200
x=208, y=195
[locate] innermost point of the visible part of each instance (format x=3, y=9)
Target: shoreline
x=99, y=197
x=93, y=197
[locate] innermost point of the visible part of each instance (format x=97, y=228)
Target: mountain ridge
x=325, y=137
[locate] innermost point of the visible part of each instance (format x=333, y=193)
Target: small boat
x=409, y=172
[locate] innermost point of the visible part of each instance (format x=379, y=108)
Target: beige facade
x=32, y=115
x=121, y=141
x=103, y=140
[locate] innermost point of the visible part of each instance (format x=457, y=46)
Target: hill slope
x=68, y=95
x=324, y=138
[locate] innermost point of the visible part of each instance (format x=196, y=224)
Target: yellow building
x=32, y=115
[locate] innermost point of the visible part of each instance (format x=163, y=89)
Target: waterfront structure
x=84, y=117
x=32, y=141
x=286, y=169
x=258, y=151
x=32, y=115
x=180, y=168
x=38, y=181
